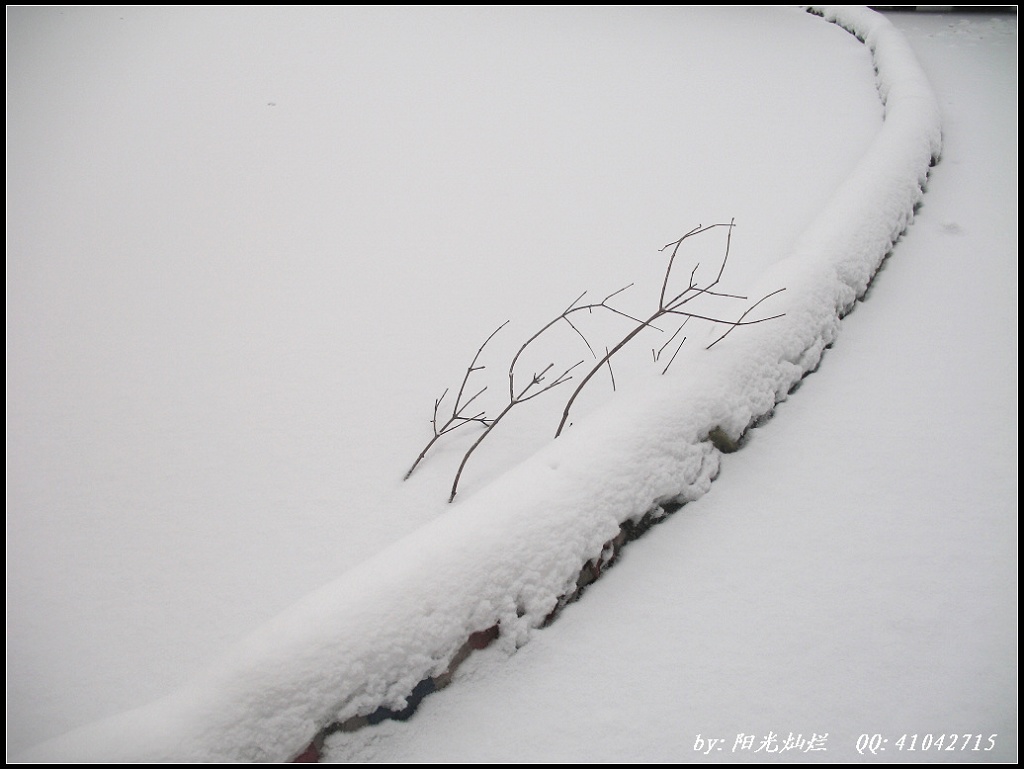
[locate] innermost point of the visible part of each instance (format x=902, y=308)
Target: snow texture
x=506, y=554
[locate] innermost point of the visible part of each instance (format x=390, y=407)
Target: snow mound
x=507, y=555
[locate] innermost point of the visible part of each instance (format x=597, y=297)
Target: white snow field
x=853, y=570
x=246, y=250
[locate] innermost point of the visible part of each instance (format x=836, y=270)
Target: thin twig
x=680, y=347
x=587, y=343
x=741, y=322
x=523, y=396
x=672, y=306
x=458, y=418
x=531, y=391
x=676, y=244
x=661, y=349
x=610, y=372
x=590, y=375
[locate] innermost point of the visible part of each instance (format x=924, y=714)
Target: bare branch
x=671, y=307
x=742, y=322
x=725, y=259
x=714, y=319
x=458, y=414
x=563, y=377
x=537, y=379
x=540, y=381
x=573, y=326
x=473, y=367
x=590, y=375
x=573, y=303
x=681, y=298
x=437, y=404
x=680, y=347
x=477, y=442
x=572, y=308
x=611, y=373
x=534, y=389
x=457, y=419
x=675, y=250
x=721, y=295
x=662, y=348
x=616, y=293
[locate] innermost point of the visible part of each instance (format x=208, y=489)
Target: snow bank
x=506, y=555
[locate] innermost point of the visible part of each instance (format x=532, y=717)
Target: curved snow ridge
x=506, y=555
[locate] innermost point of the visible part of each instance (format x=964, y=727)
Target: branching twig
x=742, y=322
x=607, y=357
x=523, y=396
x=529, y=392
x=657, y=355
x=675, y=306
x=460, y=414
x=679, y=298
x=611, y=373
x=572, y=308
x=458, y=417
x=668, y=305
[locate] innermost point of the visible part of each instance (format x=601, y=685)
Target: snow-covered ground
x=853, y=571
x=244, y=257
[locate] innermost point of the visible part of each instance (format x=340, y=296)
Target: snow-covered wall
x=506, y=554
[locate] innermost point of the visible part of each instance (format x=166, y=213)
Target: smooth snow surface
x=236, y=280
